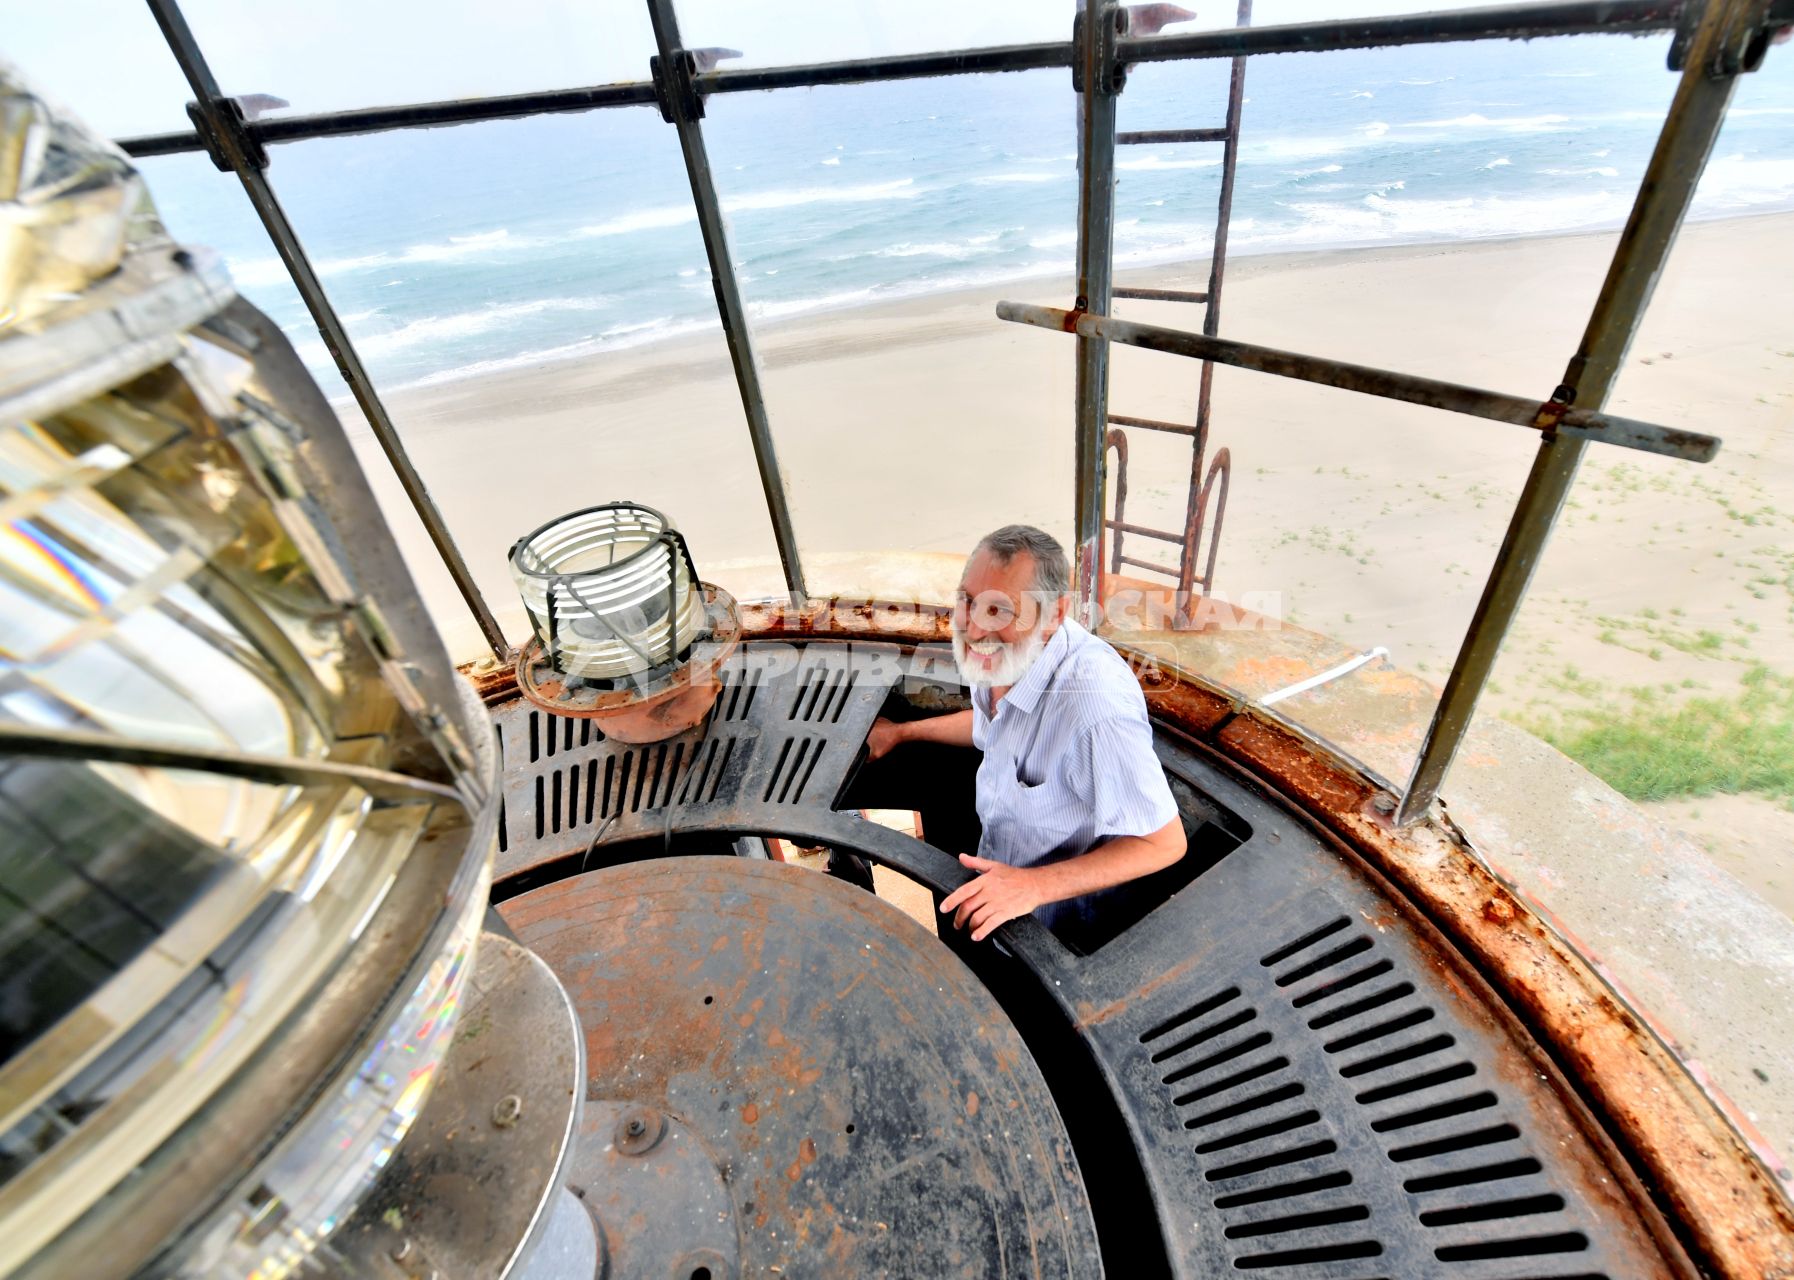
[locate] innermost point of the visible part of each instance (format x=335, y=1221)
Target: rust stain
x=971, y=1104
x=750, y=1114
x=806, y=1151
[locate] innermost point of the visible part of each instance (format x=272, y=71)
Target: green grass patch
x=1649, y=748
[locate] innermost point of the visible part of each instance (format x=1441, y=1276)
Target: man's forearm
x=1114, y=863
x=953, y=729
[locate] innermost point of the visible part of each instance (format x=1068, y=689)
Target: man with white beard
x=1072, y=799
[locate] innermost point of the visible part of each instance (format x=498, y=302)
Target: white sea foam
x=1739, y=183
x=1155, y=162
x=1309, y=173
x=1032, y=176
x=1598, y=171
x=1419, y=83
x=831, y=160
x=463, y=324
x=642, y=220
x=1502, y=124
x=1053, y=240
x=660, y=330
x=956, y=250
x=900, y=189
x=1498, y=162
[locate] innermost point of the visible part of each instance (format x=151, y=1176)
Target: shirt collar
x=1025, y=693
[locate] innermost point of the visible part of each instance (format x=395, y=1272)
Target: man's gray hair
x=1052, y=576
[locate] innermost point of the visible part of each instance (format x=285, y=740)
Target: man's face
x=999, y=626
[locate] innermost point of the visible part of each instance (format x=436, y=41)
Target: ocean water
x=453, y=252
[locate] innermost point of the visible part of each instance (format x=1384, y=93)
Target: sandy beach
x=918, y=426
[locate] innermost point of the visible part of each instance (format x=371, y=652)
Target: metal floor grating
x=1333, y=1113
x=1309, y=1085
x=785, y=730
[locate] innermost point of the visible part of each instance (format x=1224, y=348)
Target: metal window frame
x=1716, y=40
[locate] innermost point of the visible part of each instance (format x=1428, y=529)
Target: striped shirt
x=1068, y=763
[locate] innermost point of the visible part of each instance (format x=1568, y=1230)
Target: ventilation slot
x=1320, y=964
x=1458, y=1142
x=1522, y=1208
x=1242, y=1076
x=1438, y=1111
x=853, y=677
x=503, y=837
x=1304, y=942
x=1310, y=1257
x=1502, y=1172
x=1285, y=1190
x=535, y=731
x=1525, y=1247
x=737, y=699
x=1276, y=1160
x=1375, y=1000
x=1339, y=985
x=1298, y=1222
x=1257, y=1040
x=791, y=771
x=1414, y=1084
x=1205, y=1034
x=1407, y=1053
x=1258, y=1133
x=1191, y=1014
x=1413, y=1018
x=1282, y=1093
x=704, y=775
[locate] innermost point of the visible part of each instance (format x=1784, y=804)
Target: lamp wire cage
x=560, y=600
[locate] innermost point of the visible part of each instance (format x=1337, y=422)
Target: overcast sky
x=105, y=59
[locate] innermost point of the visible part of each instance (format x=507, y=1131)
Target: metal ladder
x=1210, y=485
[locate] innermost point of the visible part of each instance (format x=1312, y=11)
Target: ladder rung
x=1156, y=568
x=1151, y=424
x=1144, y=532
x=1159, y=295
x=1148, y=137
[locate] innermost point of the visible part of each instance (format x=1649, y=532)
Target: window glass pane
x=333, y=54
x=101, y=59
x=875, y=227
x=532, y=301
x=1656, y=648
x=1441, y=154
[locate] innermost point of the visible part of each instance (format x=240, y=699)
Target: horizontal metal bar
x=1151, y=424
x=1167, y=570
x=416, y=115
x=1144, y=532
x=903, y=66
x=1154, y=137
x=1497, y=22
x=83, y=746
x=1513, y=22
x=1160, y=295
x=1673, y=442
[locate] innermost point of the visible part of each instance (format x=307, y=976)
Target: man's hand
x=885, y=735
x=1001, y=893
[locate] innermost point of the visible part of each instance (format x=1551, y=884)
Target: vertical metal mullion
x=330, y=328
x=1094, y=56
x=685, y=109
x=1667, y=189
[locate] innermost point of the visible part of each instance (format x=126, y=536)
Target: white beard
x=1010, y=664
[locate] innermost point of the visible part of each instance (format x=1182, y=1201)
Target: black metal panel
x=845, y=1098
x=1300, y=1079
